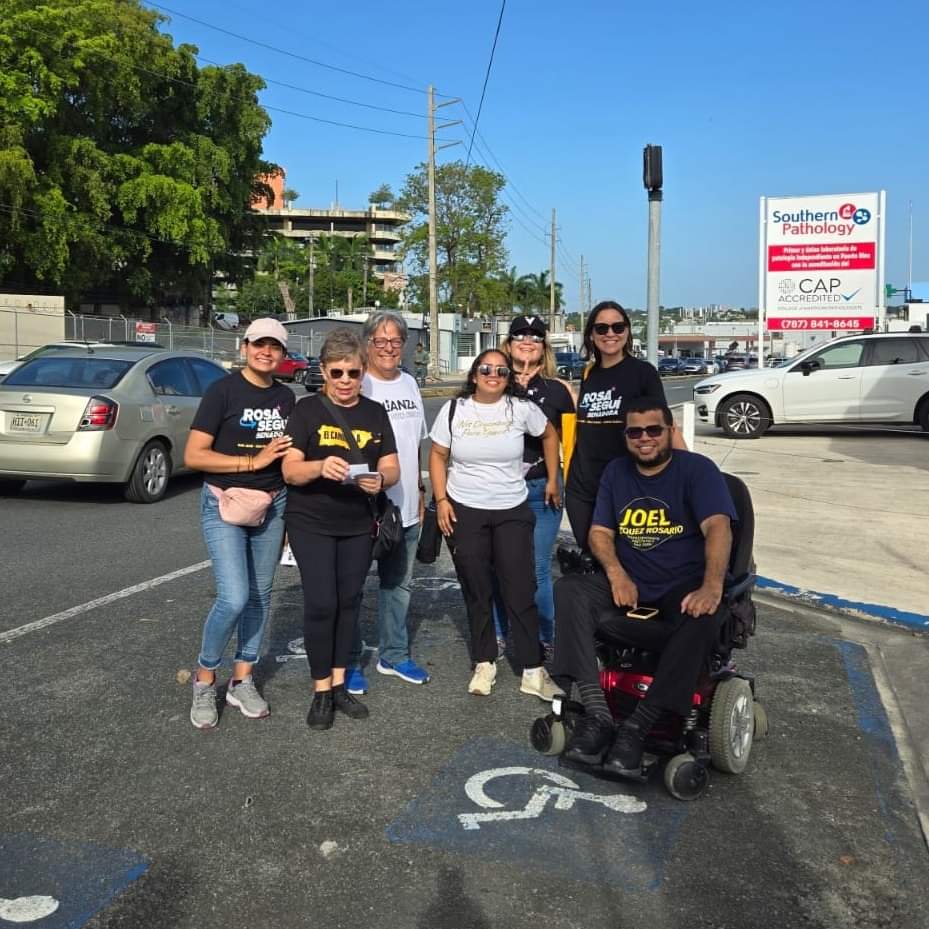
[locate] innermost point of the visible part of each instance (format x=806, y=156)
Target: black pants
x=332, y=570
x=580, y=516
x=498, y=542
x=584, y=609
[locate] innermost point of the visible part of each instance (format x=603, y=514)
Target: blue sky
x=820, y=96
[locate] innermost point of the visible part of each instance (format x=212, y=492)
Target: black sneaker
x=345, y=703
x=625, y=755
x=321, y=711
x=590, y=739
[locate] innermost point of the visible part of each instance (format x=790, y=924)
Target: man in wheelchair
x=662, y=535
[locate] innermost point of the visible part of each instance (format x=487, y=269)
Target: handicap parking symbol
x=497, y=799
x=47, y=884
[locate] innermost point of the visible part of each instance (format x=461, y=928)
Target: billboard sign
x=821, y=262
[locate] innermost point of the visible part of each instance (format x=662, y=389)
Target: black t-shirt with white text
x=243, y=418
x=325, y=506
x=555, y=400
x=604, y=395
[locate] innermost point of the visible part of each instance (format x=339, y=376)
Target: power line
x=289, y=54
x=486, y=79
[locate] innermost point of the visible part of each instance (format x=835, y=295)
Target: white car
x=6, y=367
x=873, y=378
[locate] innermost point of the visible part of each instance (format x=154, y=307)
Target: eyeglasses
x=636, y=432
x=338, y=373
x=383, y=343
x=526, y=336
x=490, y=370
x=604, y=328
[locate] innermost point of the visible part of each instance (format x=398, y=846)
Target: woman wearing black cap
x=533, y=363
x=610, y=384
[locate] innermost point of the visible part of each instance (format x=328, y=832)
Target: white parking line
x=19, y=631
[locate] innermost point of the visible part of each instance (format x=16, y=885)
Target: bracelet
x=441, y=500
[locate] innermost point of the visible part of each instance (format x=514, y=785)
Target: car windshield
x=55, y=371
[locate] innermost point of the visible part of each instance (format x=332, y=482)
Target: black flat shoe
x=322, y=711
x=625, y=755
x=345, y=703
x=591, y=738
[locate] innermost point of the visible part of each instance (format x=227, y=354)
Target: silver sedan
x=101, y=415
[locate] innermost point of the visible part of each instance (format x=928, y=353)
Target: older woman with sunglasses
x=329, y=516
x=533, y=363
x=482, y=510
x=610, y=384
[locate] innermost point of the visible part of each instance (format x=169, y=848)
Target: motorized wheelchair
x=724, y=720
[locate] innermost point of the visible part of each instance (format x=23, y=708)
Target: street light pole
x=653, y=179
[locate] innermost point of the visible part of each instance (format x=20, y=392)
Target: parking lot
x=124, y=815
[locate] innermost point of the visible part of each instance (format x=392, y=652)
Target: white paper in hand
x=358, y=471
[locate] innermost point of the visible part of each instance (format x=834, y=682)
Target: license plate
x=25, y=422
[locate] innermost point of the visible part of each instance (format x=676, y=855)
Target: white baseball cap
x=266, y=328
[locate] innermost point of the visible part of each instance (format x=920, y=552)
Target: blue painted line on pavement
x=887, y=613
x=82, y=877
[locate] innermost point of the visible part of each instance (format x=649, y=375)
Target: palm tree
x=535, y=289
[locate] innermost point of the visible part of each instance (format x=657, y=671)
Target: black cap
x=528, y=324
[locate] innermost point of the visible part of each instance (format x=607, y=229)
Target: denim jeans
x=393, y=602
x=547, y=524
x=244, y=561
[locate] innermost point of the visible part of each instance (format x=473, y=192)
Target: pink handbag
x=242, y=506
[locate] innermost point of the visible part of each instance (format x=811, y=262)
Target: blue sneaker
x=355, y=681
x=407, y=671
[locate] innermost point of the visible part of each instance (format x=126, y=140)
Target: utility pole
x=590, y=301
x=582, y=316
x=364, y=295
x=433, y=270
x=311, y=277
x=551, y=283
x=653, y=179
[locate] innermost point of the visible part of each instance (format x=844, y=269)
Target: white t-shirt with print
x=404, y=405
x=487, y=450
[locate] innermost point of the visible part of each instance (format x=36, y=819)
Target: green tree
x=123, y=166
x=383, y=196
x=289, y=195
x=534, y=292
x=470, y=230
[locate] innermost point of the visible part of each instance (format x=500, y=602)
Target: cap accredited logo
x=859, y=216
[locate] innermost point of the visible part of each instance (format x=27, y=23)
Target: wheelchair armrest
x=738, y=586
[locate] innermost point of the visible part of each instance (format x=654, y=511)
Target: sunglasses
x=526, y=336
x=490, y=370
x=636, y=432
x=337, y=374
x=604, y=328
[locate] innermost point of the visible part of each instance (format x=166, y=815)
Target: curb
x=855, y=609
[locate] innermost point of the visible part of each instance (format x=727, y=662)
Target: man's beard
x=661, y=456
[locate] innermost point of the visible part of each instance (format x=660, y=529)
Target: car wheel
x=150, y=475
x=11, y=488
x=732, y=725
x=743, y=416
x=922, y=415
x=299, y=376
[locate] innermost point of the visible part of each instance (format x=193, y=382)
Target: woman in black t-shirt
x=237, y=438
x=329, y=515
x=610, y=384
x=533, y=363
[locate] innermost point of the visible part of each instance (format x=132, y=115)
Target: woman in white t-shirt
x=482, y=510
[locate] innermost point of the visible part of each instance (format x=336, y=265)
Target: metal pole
x=762, y=272
x=73, y=324
x=433, y=272
x=312, y=276
x=881, y=291
x=654, y=268
x=551, y=283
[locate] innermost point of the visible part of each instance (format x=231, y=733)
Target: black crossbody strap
x=340, y=422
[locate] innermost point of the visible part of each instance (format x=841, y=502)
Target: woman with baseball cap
x=237, y=439
x=533, y=362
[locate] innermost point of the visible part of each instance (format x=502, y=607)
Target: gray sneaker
x=245, y=696
x=203, y=709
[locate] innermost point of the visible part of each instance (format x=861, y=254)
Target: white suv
x=873, y=378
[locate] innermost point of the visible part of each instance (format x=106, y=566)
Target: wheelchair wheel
x=684, y=778
x=732, y=725
x=548, y=735
x=761, y=723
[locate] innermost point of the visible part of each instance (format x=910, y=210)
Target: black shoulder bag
x=387, y=528
x=430, y=536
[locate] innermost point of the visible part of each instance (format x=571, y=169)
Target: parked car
x=739, y=361
x=313, y=378
x=293, y=367
x=6, y=367
x=697, y=366
x=98, y=415
x=670, y=366
x=875, y=378
x=569, y=365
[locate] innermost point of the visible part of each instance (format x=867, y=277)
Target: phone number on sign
x=822, y=322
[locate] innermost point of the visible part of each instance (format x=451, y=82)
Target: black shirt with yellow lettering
x=326, y=506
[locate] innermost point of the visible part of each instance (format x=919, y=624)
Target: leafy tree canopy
x=123, y=166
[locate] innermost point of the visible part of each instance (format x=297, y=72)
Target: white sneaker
x=538, y=683
x=482, y=681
